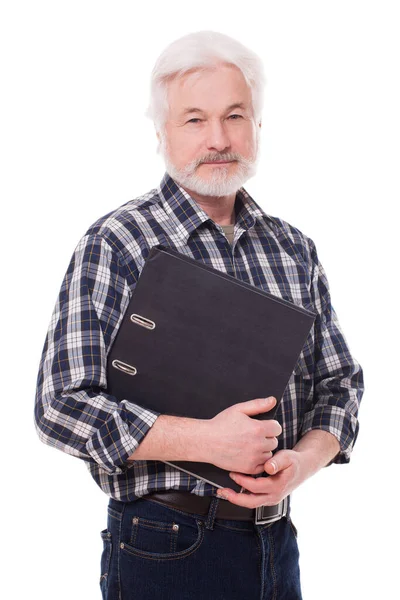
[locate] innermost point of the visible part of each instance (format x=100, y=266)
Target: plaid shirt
x=73, y=410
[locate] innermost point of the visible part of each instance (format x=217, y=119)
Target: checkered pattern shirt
x=73, y=410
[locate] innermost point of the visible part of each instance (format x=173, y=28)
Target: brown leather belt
x=199, y=505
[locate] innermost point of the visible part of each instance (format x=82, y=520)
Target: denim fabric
x=154, y=552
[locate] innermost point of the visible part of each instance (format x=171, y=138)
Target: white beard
x=220, y=182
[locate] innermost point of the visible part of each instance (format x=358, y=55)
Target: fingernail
x=273, y=464
x=221, y=495
x=269, y=400
x=232, y=476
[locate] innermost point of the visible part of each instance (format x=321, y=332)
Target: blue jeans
x=154, y=552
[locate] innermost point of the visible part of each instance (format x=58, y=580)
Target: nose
x=217, y=137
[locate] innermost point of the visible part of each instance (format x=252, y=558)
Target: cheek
x=184, y=150
x=247, y=149
x=245, y=142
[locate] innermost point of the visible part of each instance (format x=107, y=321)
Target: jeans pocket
x=162, y=539
x=105, y=561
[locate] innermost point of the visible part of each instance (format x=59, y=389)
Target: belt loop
x=212, y=511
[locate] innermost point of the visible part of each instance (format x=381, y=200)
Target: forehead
x=210, y=89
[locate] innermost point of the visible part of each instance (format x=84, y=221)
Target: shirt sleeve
x=338, y=378
x=73, y=410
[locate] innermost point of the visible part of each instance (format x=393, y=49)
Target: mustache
x=213, y=157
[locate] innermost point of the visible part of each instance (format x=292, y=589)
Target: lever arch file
x=194, y=341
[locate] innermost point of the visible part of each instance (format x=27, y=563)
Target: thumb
x=283, y=459
x=257, y=406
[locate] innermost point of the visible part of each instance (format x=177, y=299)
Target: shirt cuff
x=115, y=441
x=337, y=421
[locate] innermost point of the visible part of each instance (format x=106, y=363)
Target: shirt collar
x=188, y=215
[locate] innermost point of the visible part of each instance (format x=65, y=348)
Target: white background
x=75, y=144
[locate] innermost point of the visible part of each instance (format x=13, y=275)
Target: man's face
x=210, y=141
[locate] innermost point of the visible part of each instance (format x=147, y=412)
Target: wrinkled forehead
x=213, y=88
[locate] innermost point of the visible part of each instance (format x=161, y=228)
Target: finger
x=246, y=500
x=257, y=406
x=279, y=462
x=272, y=428
x=270, y=443
x=258, y=485
x=258, y=470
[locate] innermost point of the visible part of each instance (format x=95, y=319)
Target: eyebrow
x=231, y=107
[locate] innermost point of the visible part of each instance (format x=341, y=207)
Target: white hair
x=198, y=51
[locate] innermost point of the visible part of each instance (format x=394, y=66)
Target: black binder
x=194, y=341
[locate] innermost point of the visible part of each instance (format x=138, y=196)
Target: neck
x=220, y=209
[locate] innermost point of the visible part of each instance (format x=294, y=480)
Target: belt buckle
x=281, y=511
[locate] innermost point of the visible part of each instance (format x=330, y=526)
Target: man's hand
x=287, y=469
x=236, y=441
x=286, y=473
x=231, y=440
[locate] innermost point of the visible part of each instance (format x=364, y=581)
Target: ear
x=260, y=123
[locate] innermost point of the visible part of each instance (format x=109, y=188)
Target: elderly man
x=169, y=534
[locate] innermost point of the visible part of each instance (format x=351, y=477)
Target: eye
x=194, y=121
x=235, y=117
